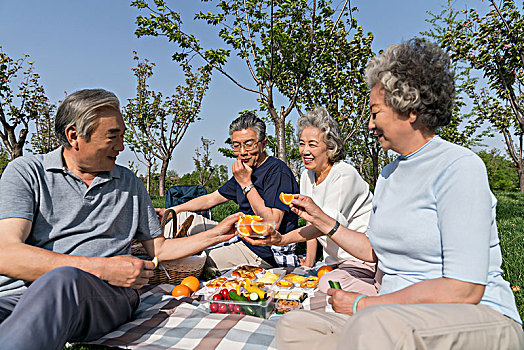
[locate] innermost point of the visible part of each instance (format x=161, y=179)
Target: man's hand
x=160, y=213
x=274, y=238
x=342, y=301
x=242, y=173
x=128, y=271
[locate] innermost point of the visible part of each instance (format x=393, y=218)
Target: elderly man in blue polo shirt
x=66, y=223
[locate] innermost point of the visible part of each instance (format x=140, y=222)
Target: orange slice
x=259, y=227
x=244, y=226
x=286, y=198
x=256, y=217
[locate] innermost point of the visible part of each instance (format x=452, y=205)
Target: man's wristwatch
x=248, y=188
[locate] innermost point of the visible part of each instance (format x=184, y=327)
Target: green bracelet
x=355, y=302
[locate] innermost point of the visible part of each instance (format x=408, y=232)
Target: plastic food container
x=286, y=305
x=253, y=228
x=261, y=309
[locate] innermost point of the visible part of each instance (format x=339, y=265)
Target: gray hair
x=249, y=120
x=80, y=110
x=416, y=76
x=319, y=118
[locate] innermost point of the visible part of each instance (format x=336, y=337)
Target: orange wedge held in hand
x=259, y=227
x=286, y=198
x=244, y=225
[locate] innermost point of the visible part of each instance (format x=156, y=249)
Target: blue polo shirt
x=270, y=179
x=67, y=216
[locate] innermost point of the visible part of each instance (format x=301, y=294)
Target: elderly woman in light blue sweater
x=432, y=229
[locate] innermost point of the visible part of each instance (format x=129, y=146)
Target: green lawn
x=510, y=220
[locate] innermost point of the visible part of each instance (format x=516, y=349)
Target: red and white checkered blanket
x=164, y=322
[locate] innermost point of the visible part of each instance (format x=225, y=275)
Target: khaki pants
x=407, y=327
x=229, y=256
x=354, y=276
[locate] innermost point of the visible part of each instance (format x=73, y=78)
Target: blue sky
x=78, y=44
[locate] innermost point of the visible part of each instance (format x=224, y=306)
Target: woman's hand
x=274, y=238
x=341, y=300
x=306, y=208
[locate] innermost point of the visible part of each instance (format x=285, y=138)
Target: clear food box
x=253, y=228
x=285, y=305
x=261, y=309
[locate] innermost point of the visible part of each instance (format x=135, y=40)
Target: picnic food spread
x=251, y=290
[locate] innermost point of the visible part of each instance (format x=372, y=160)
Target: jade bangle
x=355, y=302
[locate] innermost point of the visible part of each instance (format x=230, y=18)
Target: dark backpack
x=176, y=195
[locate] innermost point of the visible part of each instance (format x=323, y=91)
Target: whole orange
x=323, y=270
x=181, y=290
x=192, y=283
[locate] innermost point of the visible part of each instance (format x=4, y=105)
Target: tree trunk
x=162, y=178
x=148, y=179
x=280, y=136
x=521, y=180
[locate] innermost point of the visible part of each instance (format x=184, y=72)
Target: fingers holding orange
x=286, y=198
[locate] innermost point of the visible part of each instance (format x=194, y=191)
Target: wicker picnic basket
x=173, y=271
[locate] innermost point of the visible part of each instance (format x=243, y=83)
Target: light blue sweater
x=434, y=216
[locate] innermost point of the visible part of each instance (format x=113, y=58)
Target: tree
x=501, y=171
x=157, y=124
x=278, y=40
x=217, y=179
x=43, y=140
x=464, y=125
x=494, y=45
x=30, y=95
x=203, y=161
x=4, y=159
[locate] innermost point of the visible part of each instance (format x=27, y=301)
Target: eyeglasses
x=249, y=145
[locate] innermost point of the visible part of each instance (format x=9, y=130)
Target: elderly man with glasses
x=257, y=181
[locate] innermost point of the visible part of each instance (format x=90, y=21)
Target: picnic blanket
x=164, y=322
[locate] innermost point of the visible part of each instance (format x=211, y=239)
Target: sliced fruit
x=259, y=227
x=244, y=226
x=155, y=261
x=255, y=217
x=286, y=198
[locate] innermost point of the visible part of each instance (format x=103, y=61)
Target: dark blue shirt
x=270, y=179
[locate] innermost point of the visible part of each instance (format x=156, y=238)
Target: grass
x=510, y=220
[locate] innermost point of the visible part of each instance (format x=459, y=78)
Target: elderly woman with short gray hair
x=338, y=189
x=432, y=230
